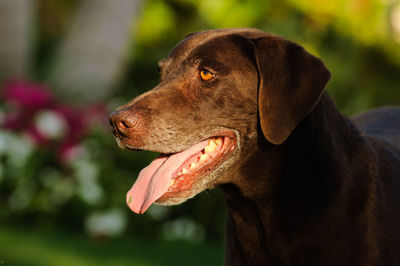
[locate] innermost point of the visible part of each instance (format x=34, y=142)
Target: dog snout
x=123, y=122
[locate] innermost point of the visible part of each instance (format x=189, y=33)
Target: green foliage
x=351, y=37
x=231, y=13
x=157, y=20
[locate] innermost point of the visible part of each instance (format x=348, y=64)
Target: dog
x=246, y=111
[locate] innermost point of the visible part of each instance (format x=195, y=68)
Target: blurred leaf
x=158, y=20
x=231, y=13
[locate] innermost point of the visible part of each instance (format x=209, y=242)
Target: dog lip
x=184, y=183
x=225, y=133
x=194, y=163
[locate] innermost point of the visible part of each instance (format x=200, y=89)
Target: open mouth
x=173, y=175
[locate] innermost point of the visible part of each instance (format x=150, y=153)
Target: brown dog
x=246, y=111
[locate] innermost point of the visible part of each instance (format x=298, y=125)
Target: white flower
x=183, y=229
x=17, y=148
x=51, y=124
x=107, y=223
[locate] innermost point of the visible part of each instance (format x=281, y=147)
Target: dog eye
x=206, y=75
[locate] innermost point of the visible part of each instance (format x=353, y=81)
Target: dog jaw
x=206, y=175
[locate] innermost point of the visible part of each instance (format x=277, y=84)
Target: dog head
x=219, y=91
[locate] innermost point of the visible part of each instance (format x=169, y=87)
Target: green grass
x=18, y=247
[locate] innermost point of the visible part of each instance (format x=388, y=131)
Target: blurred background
x=65, y=64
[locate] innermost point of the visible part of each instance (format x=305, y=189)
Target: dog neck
x=279, y=210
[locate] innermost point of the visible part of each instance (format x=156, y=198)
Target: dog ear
x=291, y=82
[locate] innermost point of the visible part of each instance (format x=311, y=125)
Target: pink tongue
x=154, y=180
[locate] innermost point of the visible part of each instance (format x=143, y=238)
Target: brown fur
x=304, y=186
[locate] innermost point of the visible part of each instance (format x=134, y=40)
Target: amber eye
x=206, y=75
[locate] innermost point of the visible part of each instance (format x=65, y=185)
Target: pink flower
x=27, y=95
x=34, y=111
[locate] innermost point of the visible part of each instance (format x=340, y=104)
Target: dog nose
x=123, y=122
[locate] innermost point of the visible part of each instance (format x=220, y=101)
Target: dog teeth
x=172, y=182
x=206, y=154
x=203, y=157
x=212, y=145
x=207, y=149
